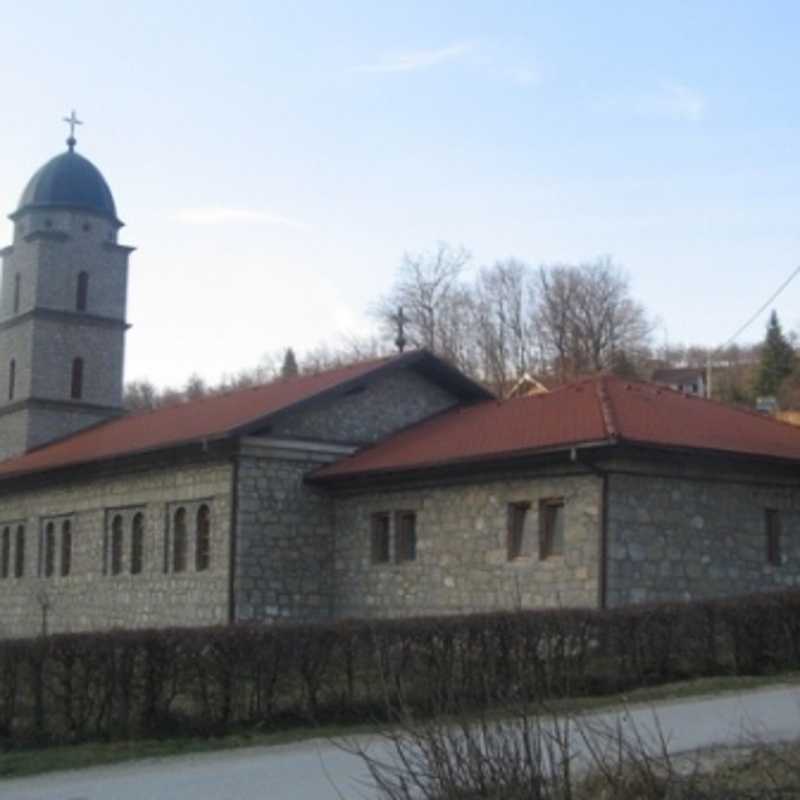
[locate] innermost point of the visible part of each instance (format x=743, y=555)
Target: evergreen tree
x=777, y=359
x=289, y=368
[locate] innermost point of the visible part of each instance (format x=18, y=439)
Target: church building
x=392, y=487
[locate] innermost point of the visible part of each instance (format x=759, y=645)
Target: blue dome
x=69, y=181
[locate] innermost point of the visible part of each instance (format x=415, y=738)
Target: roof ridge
x=183, y=402
x=606, y=408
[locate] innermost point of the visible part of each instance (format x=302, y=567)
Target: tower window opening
x=76, y=388
x=12, y=378
x=82, y=295
x=17, y=289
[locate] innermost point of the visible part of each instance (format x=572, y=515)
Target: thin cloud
x=416, y=60
x=675, y=101
x=218, y=215
x=525, y=76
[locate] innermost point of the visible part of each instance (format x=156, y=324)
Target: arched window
x=19, y=552
x=17, y=288
x=49, y=549
x=82, y=294
x=66, y=547
x=202, y=551
x=12, y=378
x=179, y=541
x=116, y=544
x=137, y=543
x=5, y=553
x=76, y=389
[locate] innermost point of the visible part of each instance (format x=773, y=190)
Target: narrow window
x=202, y=553
x=82, y=291
x=12, y=378
x=167, y=549
x=772, y=518
x=19, y=552
x=49, y=550
x=516, y=544
x=17, y=287
x=5, y=553
x=76, y=388
x=66, y=548
x=117, y=535
x=551, y=527
x=179, y=541
x=137, y=543
x=379, y=541
x=406, y=536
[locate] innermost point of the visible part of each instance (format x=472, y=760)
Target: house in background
x=526, y=386
x=689, y=380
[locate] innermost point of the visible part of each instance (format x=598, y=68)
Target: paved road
x=318, y=770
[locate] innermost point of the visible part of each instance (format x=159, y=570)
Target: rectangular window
x=49, y=550
x=405, y=548
x=772, y=519
x=66, y=548
x=516, y=544
x=551, y=527
x=19, y=552
x=5, y=553
x=379, y=550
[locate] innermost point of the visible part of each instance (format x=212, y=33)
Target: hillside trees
x=513, y=319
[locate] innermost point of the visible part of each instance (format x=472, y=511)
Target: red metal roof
x=206, y=418
x=603, y=409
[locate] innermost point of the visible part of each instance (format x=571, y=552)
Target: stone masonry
x=284, y=541
x=462, y=560
x=90, y=598
x=43, y=331
x=367, y=413
x=681, y=537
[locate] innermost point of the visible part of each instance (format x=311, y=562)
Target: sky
x=273, y=161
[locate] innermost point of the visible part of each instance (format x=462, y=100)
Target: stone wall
x=90, y=598
x=685, y=537
x=284, y=535
x=47, y=331
x=368, y=412
x=462, y=561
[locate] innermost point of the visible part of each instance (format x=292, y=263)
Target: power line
x=758, y=313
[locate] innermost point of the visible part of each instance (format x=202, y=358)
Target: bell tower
x=62, y=306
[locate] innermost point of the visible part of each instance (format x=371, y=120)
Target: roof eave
x=730, y=455
x=201, y=441
x=480, y=463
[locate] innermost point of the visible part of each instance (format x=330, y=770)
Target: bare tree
x=504, y=303
x=435, y=301
x=586, y=317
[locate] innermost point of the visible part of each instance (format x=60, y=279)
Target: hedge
x=169, y=682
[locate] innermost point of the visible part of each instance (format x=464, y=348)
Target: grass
x=32, y=761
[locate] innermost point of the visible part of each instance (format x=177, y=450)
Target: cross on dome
x=72, y=120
